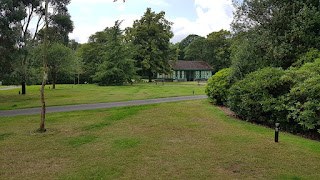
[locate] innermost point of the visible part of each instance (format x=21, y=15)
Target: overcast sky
x=199, y=17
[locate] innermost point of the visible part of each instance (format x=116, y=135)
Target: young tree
x=45, y=56
x=150, y=37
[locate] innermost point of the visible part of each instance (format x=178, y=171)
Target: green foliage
x=59, y=59
x=303, y=101
x=217, y=88
x=271, y=95
x=185, y=43
x=12, y=12
x=150, y=37
x=117, y=66
x=91, y=53
x=246, y=56
x=260, y=95
x=218, y=49
x=215, y=49
x=196, y=50
x=309, y=56
x=276, y=33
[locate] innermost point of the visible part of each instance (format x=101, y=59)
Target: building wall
x=203, y=74
x=181, y=75
x=164, y=76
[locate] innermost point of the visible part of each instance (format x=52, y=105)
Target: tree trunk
x=150, y=75
x=54, y=74
x=45, y=51
x=23, y=84
x=43, y=103
x=78, y=79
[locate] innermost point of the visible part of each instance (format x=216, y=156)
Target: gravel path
x=55, y=109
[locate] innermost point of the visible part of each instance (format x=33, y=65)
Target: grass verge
x=85, y=94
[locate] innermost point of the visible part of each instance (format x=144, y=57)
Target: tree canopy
x=150, y=38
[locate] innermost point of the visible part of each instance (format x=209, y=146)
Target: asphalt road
x=55, y=109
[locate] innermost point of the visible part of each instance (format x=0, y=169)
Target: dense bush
x=218, y=86
x=303, y=101
x=260, y=96
x=270, y=95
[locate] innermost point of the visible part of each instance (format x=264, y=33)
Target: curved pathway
x=55, y=109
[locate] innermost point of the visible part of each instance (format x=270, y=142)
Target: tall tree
x=12, y=12
x=150, y=37
x=117, y=66
x=35, y=11
x=280, y=30
x=218, y=49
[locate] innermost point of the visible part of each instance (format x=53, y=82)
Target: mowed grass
x=182, y=83
x=181, y=140
x=85, y=94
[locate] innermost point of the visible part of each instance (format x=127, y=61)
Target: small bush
x=217, y=88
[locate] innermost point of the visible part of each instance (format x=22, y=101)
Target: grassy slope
x=181, y=140
x=69, y=94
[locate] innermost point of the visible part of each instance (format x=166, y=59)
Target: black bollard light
x=276, y=137
x=19, y=92
x=193, y=92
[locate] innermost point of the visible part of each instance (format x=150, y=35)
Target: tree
x=280, y=30
x=196, y=50
x=60, y=59
x=117, y=66
x=92, y=54
x=185, y=43
x=45, y=69
x=35, y=12
x=218, y=49
x=12, y=12
x=174, y=51
x=150, y=37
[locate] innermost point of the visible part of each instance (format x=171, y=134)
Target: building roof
x=190, y=65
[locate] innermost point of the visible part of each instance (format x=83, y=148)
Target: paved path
x=55, y=109
x=8, y=87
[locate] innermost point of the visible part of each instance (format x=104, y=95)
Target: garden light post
x=276, y=137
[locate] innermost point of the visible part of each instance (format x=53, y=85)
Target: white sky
x=199, y=17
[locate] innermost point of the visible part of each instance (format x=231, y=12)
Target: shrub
x=260, y=96
x=217, y=88
x=303, y=101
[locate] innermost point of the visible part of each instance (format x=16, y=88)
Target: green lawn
x=183, y=83
x=85, y=94
x=181, y=140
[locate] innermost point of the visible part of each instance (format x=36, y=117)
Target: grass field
x=181, y=140
x=85, y=94
x=186, y=83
